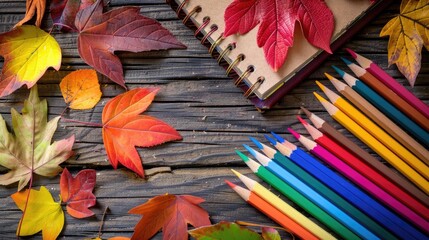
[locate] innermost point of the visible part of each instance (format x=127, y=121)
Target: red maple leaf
x=77, y=192
x=171, y=213
x=124, y=129
x=122, y=29
x=64, y=11
x=277, y=20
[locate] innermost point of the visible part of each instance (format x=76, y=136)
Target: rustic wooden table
x=198, y=100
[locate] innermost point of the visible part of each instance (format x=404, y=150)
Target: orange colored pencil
x=271, y=212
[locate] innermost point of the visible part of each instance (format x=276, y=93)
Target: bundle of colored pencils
x=345, y=188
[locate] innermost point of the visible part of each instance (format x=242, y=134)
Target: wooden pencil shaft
x=355, y=195
x=373, y=176
x=382, y=136
x=392, y=97
x=332, y=196
x=387, y=124
x=306, y=204
x=383, y=151
x=372, y=161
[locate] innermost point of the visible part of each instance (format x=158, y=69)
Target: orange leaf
x=81, y=89
x=124, y=129
x=408, y=32
x=171, y=213
x=33, y=7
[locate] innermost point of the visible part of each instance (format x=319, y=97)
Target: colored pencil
x=305, y=225
x=383, y=105
x=363, y=182
x=326, y=128
x=388, y=94
x=315, y=197
x=325, y=191
x=272, y=212
x=366, y=171
x=381, y=119
x=376, y=131
x=298, y=198
x=374, y=144
x=390, y=82
x=348, y=190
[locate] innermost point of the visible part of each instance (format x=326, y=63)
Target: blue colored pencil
x=347, y=190
x=384, y=106
x=315, y=197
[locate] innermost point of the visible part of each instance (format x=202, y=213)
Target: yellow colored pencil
x=376, y=131
x=382, y=120
x=374, y=144
x=284, y=207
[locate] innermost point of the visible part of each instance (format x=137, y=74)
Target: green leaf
x=29, y=150
x=223, y=231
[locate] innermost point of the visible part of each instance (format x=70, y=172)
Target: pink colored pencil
x=360, y=180
x=387, y=80
x=368, y=172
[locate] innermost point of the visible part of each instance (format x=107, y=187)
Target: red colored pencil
x=365, y=170
x=352, y=147
x=389, y=81
x=360, y=180
x=271, y=212
x=388, y=94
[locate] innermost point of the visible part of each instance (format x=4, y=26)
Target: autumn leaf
x=408, y=32
x=122, y=29
x=124, y=128
x=64, y=12
x=77, y=192
x=33, y=7
x=80, y=89
x=29, y=150
x=224, y=230
x=277, y=19
x=28, y=51
x=41, y=213
x=269, y=233
x=171, y=213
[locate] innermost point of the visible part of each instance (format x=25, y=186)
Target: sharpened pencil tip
x=295, y=134
x=271, y=140
x=339, y=71
x=320, y=98
x=346, y=61
x=352, y=53
x=302, y=120
x=321, y=86
x=232, y=185
x=249, y=149
x=277, y=137
x=242, y=156
x=257, y=143
x=236, y=173
x=329, y=76
x=305, y=110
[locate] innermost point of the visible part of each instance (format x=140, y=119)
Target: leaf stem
x=102, y=221
x=81, y=122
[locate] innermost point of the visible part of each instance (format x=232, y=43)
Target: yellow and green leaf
x=41, y=213
x=408, y=32
x=28, y=52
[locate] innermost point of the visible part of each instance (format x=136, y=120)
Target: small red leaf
x=171, y=213
x=124, y=128
x=122, y=29
x=241, y=17
x=64, y=11
x=77, y=192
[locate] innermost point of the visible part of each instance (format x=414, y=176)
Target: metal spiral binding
x=213, y=29
x=206, y=21
x=225, y=51
x=216, y=43
x=179, y=9
x=255, y=86
x=196, y=9
x=239, y=58
x=245, y=74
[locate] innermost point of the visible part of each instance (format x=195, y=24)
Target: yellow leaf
x=33, y=7
x=408, y=32
x=28, y=51
x=81, y=89
x=42, y=213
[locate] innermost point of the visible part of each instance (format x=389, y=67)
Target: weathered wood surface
x=198, y=100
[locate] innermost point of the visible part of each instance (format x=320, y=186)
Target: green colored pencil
x=298, y=198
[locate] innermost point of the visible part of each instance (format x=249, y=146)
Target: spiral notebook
x=244, y=60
